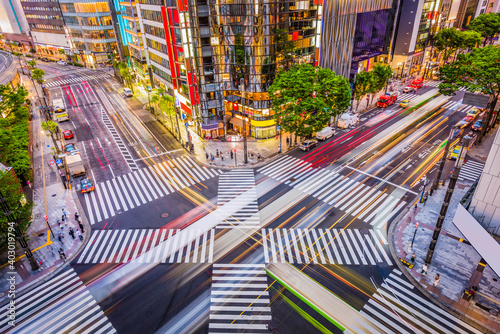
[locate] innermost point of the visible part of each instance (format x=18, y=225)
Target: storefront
x=264, y=129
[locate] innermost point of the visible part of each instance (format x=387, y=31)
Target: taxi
x=404, y=103
x=455, y=152
x=86, y=185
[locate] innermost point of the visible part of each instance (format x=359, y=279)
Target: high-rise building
x=47, y=27
x=90, y=28
x=218, y=59
x=13, y=23
x=355, y=34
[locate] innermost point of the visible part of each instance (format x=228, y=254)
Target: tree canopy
x=17, y=203
x=488, y=25
x=38, y=75
x=304, y=98
x=362, y=86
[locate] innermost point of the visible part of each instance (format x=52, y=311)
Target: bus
x=59, y=113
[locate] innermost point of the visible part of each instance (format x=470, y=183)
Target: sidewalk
x=454, y=260
x=42, y=243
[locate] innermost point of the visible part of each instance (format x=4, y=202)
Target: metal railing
x=5, y=61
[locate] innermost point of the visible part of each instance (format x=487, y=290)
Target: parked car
x=44, y=59
x=86, y=185
x=69, y=148
x=408, y=89
x=62, y=62
x=127, y=92
x=474, y=112
x=478, y=126
x=404, y=103
x=68, y=134
x=308, y=144
x=466, y=121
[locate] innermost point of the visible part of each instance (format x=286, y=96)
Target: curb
x=446, y=307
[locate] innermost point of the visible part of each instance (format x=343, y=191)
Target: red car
x=68, y=134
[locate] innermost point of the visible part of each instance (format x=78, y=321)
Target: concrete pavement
x=455, y=260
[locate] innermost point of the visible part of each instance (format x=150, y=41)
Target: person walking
x=64, y=213
x=63, y=218
x=62, y=255
x=413, y=257
x=415, y=208
x=77, y=216
x=424, y=269
x=206, y=154
x=436, y=280
x=426, y=196
x=79, y=234
x=60, y=237
x=72, y=232
x=81, y=226
x=287, y=142
x=231, y=154
x=258, y=156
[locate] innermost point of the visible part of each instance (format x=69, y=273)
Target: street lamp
x=242, y=90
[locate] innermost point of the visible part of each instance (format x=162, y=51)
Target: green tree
x=305, y=98
x=126, y=75
x=165, y=103
x=12, y=100
x=18, y=55
x=380, y=76
x=31, y=64
x=488, y=25
x=477, y=71
x=447, y=41
x=38, y=75
x=16, y=201
x=285, y=47
x=362, y=86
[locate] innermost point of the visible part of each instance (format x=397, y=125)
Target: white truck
x=58, y=103
x=74, y=165
x=325, y=133
x=347, y=120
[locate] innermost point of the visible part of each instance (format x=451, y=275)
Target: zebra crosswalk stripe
x=247, y=285
x=318, y=246
x=60, y=304
x=471, y=170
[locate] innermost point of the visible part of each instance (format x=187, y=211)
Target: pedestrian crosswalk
x=142, y=186
x=79, y=79
x=119, y=142
x=239, y=299
x=60, y=305
x=460, y=108
x=397, y=308
x=359, y=200
x=148, y=246
x=471, y=170
x=237, y=193
x=325, y=246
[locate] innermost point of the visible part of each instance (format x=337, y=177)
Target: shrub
x=78, y=64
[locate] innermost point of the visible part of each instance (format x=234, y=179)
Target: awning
x=481, y=240
x=212, y=126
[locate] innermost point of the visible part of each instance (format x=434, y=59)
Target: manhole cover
x=164, y=215
x=363, y=230
x=38, y=215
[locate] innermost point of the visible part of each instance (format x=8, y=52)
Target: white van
x=326, y=133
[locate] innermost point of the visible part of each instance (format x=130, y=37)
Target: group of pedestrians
x=74, y=233
x=227, y=155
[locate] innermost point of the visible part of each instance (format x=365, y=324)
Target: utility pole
x=242, y=90
x=19, y=236
x=443, y=160
x=447, y=198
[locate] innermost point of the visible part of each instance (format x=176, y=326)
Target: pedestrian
x=231, y=154
x=415, y=208
x=287, y=142
x=222, y=156
x=81, y=226
x=217, y=152
x=62, y=255
x=413, y=257
x=61, y=226
x=426, y=196
x=64, y=213
x=77, y=216
x=60, y=237
x=424, y=269
x=212, y=158
x=29, y=183
x=258, y=156
x=206, y=154
x=79, y=234
x=63, y=218
x=72, y=232
x=436, y=280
